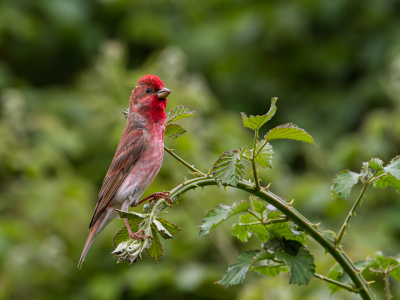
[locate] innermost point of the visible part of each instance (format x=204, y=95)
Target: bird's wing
x=129, y=150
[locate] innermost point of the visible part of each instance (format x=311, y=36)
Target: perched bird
x=137, y=160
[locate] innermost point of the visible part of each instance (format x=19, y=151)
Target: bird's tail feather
x=93, y=232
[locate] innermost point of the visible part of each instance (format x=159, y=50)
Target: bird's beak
x=163, y=93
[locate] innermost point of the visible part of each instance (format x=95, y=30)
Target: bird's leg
x=152, y=197
x=135, y=235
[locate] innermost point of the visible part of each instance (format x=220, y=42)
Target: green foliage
x=237, y=271
x=220, y=213
x=343, y=182
x=302, y=267
x=289, y=131
x=128, y=249
x=179, y=112
x=228, y=169
x=174, y=131
x=255, y=122
x=336, y=273
x=264, y=154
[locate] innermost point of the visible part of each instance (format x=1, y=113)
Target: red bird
x=137, y=160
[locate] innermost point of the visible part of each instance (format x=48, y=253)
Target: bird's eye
x=148, y=90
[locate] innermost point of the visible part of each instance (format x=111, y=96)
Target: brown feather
x=129, y=150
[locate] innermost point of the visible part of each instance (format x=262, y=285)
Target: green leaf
x=270, y=270
x=387, y=180
x=179, y=112
x=284, y=230
x=396, y=272
x=123, y=235
x=289, y=131
x=255, y=122
x=155, y=250
x=241, y=232
x=257, y=204
x=378, y=261
x=171, y=227
x=264, y=157
x=174, y=131
x=302, y=267
x=237, y=271
x=376, y=163
x=158, y=226
x=133, y=217
x=394, y=167
x=343, y=182
x=228, y=169
x=245, y=153
x=336, y=273
x=219, y=214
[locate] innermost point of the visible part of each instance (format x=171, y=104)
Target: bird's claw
x=152, y=197
x=138, y=236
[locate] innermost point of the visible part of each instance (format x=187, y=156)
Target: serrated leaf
x=376, y=163
x=257, y=204
x=162, y=230
x=228, y=169
x=394, y=167
x=259, y=229
x=255, y=122
x=343, y=182
x=270, y=270
x=237, y=271
x=123, y=235
x=336, y=273
x=387, y=180
x=245, y=153
x=289, y=131
x=174, y=131
x=302, y=267
x=265, y=156
x=171, y=227
x=378, y=261
x=179, y=112
x=284, y=230
x=396, y=272
x=133, y=217
x=263, y=255
x=219, y=214
x=241, y=232
x=155, y=250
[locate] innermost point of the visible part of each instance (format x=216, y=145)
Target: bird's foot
x=138, y=236
x=152, y=197
x=135, y=235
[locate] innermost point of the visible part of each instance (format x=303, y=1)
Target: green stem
x=339, y=255
x=292, y=214
x=350, y=214
x=387, y=286
x=272, y=221
x=190, y=167
x=342, y=285
x=253, y=162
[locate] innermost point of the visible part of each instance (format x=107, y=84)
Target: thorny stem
x=339, y=255
x=272, y=221
x=342, y=285
x=338, y=240
x=253, y=162
x=387, y=285
x=190, y=167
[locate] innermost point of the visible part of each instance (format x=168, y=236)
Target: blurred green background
x=66, y=71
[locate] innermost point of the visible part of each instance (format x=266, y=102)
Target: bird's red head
x=149, y=98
